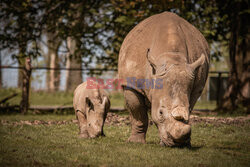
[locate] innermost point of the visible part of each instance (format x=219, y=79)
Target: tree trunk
x=47, y=60
x=53, y=76
x=21, y=63
x=20, y=76
x=238, y=92
x=24, y=104
x=1, y=70
x=73, y=78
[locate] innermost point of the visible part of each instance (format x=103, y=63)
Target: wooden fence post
x=24, y=105
x=218, y=95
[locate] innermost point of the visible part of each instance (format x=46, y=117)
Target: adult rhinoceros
x=169, y=52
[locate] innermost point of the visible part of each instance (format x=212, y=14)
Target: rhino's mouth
x=169, y=140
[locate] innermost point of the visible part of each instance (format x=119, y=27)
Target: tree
x=84, y=23
x=237, y=17
x=73, y=78
x=24, y=104
x=127, y=14
x=20, y=30
x=52, y=61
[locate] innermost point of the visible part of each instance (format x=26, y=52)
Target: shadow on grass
x=195, y=148
x=191, y=148
x=227, y=148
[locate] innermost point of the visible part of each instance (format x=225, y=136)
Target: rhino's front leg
x=138, y=115
x=82, y=122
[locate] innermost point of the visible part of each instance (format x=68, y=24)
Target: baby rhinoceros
x=91, y=107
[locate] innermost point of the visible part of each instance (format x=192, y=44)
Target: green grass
x=117, y=100
x=58, y=145
x=66, y=98
x=209, y=105
x=54, y=98
x=40, y=97
x=7, y=92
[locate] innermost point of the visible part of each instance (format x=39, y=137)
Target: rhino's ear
x=198, y=62
x=89, y=103
x=151, y=61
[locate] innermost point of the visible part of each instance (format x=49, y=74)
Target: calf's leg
x=82, y=122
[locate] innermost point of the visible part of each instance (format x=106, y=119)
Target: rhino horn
x=198, y=62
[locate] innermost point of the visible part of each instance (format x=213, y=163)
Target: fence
x=213, y=91
x=10, y=75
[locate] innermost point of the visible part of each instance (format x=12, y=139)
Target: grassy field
x=65, y=98
x=58, y=145
x=53, y=99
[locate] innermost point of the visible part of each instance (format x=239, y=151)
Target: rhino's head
x=96, y=114
x=170, y=104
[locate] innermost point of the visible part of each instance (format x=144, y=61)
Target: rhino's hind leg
x=82, y=122
x=138, y=115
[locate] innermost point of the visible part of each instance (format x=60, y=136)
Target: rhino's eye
x=161, y=118
x=161, y=113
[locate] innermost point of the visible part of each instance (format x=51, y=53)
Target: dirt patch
x=115, y=119
x=220, y=120
x=37, y=122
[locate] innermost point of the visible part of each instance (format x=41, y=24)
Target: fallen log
x=8, y=98
x=59, y=108
x=51, y=108
x=9, y=109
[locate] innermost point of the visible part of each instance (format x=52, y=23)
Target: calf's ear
x=198, y=62
x=89, y=103
x=105, y=99
x=97, y=96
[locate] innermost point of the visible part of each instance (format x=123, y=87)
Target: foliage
x=24, y=22
x=20, y=26
x=85, y=22
x=99, y=27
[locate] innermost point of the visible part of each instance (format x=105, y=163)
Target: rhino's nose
x=181, y=132
x=180, y=114
x=99, y=133
x=95, y=133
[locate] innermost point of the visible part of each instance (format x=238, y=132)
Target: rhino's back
x=164, y=32
x=134, y=46
x=80, y=94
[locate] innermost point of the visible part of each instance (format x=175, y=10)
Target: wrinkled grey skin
x=166, y=47
x=91, y=107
